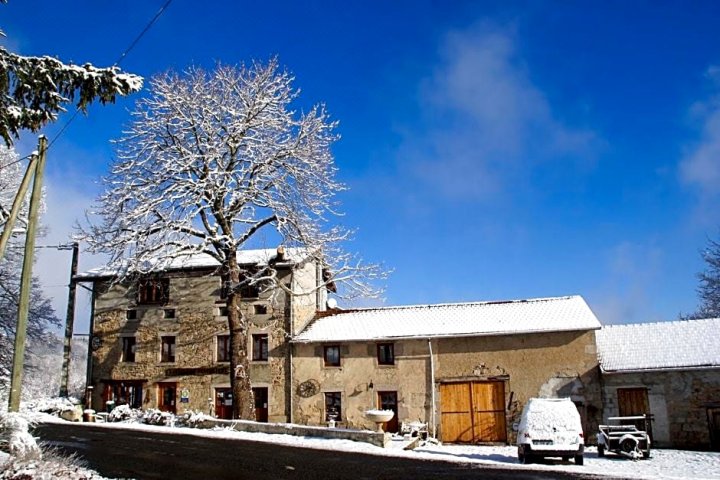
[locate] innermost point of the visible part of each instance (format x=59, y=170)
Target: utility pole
x=25, y=279
x=69, y=323
x=17, y=203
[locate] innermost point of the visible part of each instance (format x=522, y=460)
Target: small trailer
x=624, y=437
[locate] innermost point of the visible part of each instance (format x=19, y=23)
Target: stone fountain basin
x=379, y=416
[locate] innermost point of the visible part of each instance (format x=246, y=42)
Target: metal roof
x=453, y=320
x=202, y=260
x=659, y=346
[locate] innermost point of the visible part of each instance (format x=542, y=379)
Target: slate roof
x=453, y=320
x=659, y=346
x=203, y=260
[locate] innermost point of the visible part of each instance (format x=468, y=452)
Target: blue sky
x=493, y=150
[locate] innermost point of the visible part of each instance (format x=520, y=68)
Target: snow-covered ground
x=664, y=464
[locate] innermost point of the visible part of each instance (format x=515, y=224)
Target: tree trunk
x=243, y=407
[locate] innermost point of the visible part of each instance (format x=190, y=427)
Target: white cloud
x=487, y=122
x=700, y=167
x=630, y=283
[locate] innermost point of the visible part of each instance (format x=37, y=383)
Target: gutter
x=660, y=369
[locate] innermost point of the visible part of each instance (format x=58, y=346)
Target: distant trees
x=709, y=288
x=212, y=160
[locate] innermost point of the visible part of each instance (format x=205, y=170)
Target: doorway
x=473, y=412
x=223, y=403
x=167, y=396
x=260, y=394
x=388, y=401
x=634, y=401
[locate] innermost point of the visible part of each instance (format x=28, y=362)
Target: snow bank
x=15, y=436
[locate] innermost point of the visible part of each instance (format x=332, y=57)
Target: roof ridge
x=457, y=304
x=660, y=322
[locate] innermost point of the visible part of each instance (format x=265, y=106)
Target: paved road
x=137, y=454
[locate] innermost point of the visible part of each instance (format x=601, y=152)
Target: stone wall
x=678, y=400
x=561, y=364
x=198, y=319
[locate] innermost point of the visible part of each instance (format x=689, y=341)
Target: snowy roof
x=659, y=346
x=203, y=260
x=453, y=320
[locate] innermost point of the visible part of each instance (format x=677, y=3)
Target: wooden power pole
x=26, y=279
x=69, y=324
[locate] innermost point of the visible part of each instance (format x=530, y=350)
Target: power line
x=144, y=31
x=117, y=63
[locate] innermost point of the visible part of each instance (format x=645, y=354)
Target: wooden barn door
x=634, y=401
x=472, y=412
x=489, y=411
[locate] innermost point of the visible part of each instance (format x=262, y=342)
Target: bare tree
x=212, y=159
x=709, y=288
x=42, y=317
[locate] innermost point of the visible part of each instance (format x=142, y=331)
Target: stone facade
x=684, y=403
x=529, y=365
x=193, y=314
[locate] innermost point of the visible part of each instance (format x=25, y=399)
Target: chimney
x=280, y=253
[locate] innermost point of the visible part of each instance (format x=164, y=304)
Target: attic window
x=331, y=354
x=153, y=291
x=260, y=309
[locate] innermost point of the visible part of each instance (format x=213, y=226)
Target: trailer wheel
x=628, y=445
x=601, y=450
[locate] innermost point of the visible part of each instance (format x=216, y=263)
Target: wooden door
x=472, y=412
x=489, y=411
x=634, y=401
x=260, y=394
x=388, y=401
x=456, y=413
x=167, y=396
x=223, y=403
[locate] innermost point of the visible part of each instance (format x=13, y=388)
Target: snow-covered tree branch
x=33, y=90
x=212, y=159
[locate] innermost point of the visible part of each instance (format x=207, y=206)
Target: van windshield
x=552, y=419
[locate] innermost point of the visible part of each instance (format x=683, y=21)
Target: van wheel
x=601, y=451
x=579, y=459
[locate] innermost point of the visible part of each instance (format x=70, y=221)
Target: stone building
x=465, y=369
x=162, y=341
x=670, y=370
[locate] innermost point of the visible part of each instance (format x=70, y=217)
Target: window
x=223, y=348
x=333, y=406
x=128, y=349
x=123, y=392
x=260, y=347
x=243, y=288
x=167, y=350
x=153, y=291
x=386, y=354
x=131, y=314
x=260, y=309
x=169, y=313
x=331, y=354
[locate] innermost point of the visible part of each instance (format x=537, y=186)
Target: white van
x=550, y=427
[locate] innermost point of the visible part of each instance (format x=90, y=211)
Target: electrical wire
x=117, y=63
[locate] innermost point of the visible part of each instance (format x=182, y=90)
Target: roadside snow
x=664, y=464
